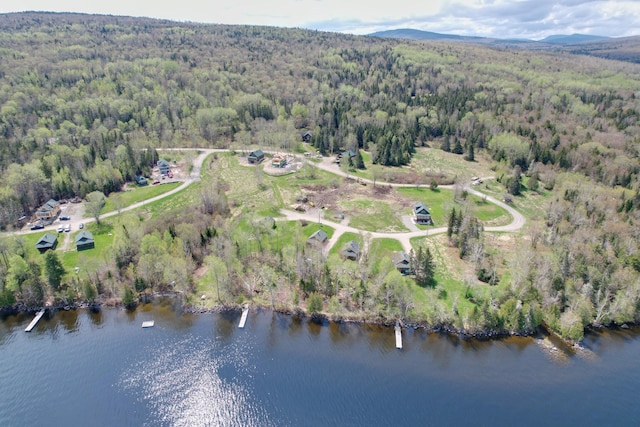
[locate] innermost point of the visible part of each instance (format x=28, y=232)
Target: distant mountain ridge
x=412, y=34
x=615, y=48
x=571, y=39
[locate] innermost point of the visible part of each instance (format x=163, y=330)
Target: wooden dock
x=243, y=319
x=398, y=335
x=35, y=321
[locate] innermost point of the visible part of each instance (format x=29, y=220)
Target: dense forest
x=84, y=100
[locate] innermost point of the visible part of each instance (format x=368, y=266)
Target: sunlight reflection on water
x=183, y=384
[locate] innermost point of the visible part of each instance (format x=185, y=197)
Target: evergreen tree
x=53, y=269
x=451, y=226
x=471, y=155
x=359, y=161
x=457, y=148
x=128, y=296
x=446, y=144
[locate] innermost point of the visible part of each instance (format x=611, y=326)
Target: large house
x=421, y=214
x=255, y=157
x=317, y=238
x=84, y=240
x=402, y=262
x=164, y=167
x=49, y=210
x=46, y=242
x=351, y=250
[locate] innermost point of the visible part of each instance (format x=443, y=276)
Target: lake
x=79, y=368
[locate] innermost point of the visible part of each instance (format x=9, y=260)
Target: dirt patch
x=322, y=196
x=179, y=172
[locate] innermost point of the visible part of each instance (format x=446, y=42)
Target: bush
x=314, y=303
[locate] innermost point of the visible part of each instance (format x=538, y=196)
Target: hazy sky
x=533, y=19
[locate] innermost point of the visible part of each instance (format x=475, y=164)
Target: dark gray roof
x=46, y=241
x=84, y=237
x=319, y=235
x=420, y=208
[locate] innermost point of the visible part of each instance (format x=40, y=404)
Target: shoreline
x=541, y=332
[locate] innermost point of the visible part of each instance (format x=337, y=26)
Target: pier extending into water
x=243, y=319
x=35, y=321
x=398, y=335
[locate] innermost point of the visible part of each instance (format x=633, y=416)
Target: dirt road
x=327, y=165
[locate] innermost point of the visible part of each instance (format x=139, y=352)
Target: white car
x=60, y=229
x=67, y=228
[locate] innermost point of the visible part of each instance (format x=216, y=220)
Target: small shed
x=255, y=157
x=351, y=250
x=317, y=238
x=141, y=180
x=306, y=136
x=164, y=167
x=421, y=214
x=84, y=240
x=46, y=242
x=402, y=262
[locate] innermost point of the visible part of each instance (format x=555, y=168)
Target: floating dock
x=243, y=319
x=35, y=321
x=148, y=324
x=398, y=335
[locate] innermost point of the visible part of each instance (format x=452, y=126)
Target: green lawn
x=441, y=201
x=136, y=194
x=91, y=259
x=373, y=215
x=343, y=240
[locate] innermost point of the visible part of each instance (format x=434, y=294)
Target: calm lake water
x=102, y=369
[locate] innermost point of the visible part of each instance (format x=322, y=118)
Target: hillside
x=621, y=49
x=86, y=99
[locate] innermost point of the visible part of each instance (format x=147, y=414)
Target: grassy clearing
x=373, y=215
x=383, y=248
x=434, y=160
x=531, y=204
x=441, y=201
x=136, y=194
x=89, y=260
x=453, y=285
x=343, y=240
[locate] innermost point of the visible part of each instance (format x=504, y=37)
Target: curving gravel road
x=327, y=165
x=404, y=237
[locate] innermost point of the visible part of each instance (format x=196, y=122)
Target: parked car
x=155, y=182
x=81, y=226
x=60, y=229
x=37, y=227
x=67, y=228
x=65, y=218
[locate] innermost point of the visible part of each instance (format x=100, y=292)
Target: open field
x=134, y=194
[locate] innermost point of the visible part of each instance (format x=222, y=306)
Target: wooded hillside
x=81, y=96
